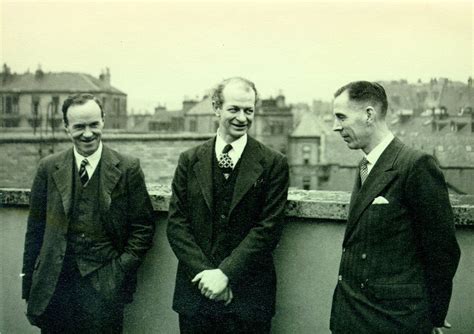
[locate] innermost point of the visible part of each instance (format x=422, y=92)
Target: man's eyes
x=247, y=111
x=82, y=127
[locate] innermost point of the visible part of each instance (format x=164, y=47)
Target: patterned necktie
x=83, y=172
x=225, y=161
x=363, y=170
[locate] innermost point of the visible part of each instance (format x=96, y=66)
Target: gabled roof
x=55, y=82
x=310, y=125
x=203, y=107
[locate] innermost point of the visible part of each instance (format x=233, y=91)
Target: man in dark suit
x=89, y=227
x=225, y=219
x=400, y=252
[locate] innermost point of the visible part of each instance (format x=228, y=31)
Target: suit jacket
x=126, y=213
x=398, y=259
x=252, y=229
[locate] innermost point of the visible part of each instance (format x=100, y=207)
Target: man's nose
x=241, y=116
x=87, y=132
x=336, y=125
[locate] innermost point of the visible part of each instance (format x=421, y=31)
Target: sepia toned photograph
x=234, y=166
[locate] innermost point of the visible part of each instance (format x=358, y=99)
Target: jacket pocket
x=397, y=291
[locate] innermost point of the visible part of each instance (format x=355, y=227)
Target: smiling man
x=399, y=253
x=89, y=227
x=225, y=219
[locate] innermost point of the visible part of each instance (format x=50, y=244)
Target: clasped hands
x=214, y=284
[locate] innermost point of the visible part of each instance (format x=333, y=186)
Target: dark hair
x=79, y=99
x=365, y=91
x=218, y=97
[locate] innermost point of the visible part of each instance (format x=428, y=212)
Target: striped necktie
x=363, y=170
x=225, y=161
x=83, y=172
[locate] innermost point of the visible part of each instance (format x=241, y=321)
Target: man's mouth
x=86, y=141
x=239, y=126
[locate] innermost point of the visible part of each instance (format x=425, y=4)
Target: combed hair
x=365, y=91
x=218, y=98
x=79, y=99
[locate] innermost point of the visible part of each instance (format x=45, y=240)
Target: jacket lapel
x=63, y=179
x=109, y=176
x=203, y=170
x=380, y=176
x=249, y=171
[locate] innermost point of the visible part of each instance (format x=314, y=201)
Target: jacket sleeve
x=434, y=224
x=179, y=231
x=265, y=235
x=141, y=222
x=35, y=228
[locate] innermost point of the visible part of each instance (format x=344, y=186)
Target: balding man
x=225, y=219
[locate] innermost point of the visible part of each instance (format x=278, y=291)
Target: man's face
x=350, y=120
x=237, y=112
x=85, y=127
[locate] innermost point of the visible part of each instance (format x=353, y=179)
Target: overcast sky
x=159, y=52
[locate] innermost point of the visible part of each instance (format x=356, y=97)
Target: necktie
x=83, y=172
x=225, y=161
x=363, y=170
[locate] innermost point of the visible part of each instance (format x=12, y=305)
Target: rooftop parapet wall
x=316, y=205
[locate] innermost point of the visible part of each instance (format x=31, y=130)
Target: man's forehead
x=238, y=88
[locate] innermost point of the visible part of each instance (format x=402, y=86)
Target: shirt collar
x=93, y=159
x=375, y=154
x=238, y=146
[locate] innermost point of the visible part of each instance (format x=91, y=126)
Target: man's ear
x=371, y=114
x=217, y=110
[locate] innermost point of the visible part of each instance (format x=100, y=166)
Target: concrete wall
x=307, y=261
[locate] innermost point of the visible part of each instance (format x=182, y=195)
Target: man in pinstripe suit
x=399, y=252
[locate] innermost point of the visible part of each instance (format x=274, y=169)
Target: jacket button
x=362, y=285
x=223, y=216
x=363, y=256
x=83, y=235
x=339, y=278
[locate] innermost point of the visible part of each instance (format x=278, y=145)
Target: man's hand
x=211, y=282
x=439, y=330
x=226, y=296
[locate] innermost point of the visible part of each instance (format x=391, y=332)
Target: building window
x=306, y=154
x=306, y=182
x=123, y=108
x=11, y=104
x=116, y=110
x=193, y=125
x=55, y=105
x=35, y=105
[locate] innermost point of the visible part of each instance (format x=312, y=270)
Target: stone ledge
x=60, y=136
x=313, y=204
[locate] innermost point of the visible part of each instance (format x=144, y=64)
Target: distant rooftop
x=60, y=82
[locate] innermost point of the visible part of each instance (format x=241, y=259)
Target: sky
x=160, y=52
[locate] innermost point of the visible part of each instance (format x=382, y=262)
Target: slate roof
x=55, y=82
x=310, y=125
x=203, y=107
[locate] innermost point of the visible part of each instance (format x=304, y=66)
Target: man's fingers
x=197, y=277
x=230, y=296
x=446, y=324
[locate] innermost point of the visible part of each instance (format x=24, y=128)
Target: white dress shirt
x=93, y=159
x=375, y=154
x=238, y=147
